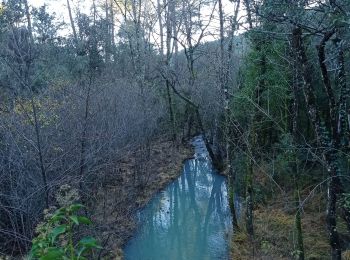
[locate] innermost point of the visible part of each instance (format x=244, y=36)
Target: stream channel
x=190, y=219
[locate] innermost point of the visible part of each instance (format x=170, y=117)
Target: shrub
x=55, y=236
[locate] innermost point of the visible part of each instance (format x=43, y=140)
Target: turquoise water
x=188, y=220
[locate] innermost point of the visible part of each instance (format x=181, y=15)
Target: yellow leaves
x=2, y=9
x=21, y=107
x=276, y=218
x=60, y=84
x=45, y=109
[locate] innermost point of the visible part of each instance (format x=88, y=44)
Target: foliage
x=55, y=239
x=345, y=200
x=44, y=24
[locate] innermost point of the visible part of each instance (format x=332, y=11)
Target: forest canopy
x=264, y=82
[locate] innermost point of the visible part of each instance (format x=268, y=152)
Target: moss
x=275, y=236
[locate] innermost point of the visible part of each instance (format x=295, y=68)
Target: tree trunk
x=294, y=130
x=168, y=57
x=72, y=23
x=83, y=139
x=108, y=33
x=249, y=199
x=112, y=26
x=29, y=22
x=34, y=108
x=300, y=241
x=323, y=140
x=40, y=152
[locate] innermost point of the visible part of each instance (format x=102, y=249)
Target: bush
x=55, y=236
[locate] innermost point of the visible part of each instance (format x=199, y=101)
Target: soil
x=137, y=177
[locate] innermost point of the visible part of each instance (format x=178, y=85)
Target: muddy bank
x=129, y=186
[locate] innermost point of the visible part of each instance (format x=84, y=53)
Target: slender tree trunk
x=72, y=22
x=171, y=112
x=112, y=26
x=223, y=71
x=34, y=108
x=174, y=29
x=231, y=193
x=343, y=130
x=249, y=198
x=195, y=107
x=249, y=13
x=40, y=152
x=253, y=138
x=168, y=57
x=29, y=22
x=294, y=118
x=224, y=74
x=83, y=139
x=328, y=86
x=300, y=241
x=324, y=141
x=108, y=32
x=160, y=23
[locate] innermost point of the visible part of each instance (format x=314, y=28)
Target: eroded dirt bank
x=129, y=186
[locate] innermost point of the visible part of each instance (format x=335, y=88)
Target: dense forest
x=97, y=110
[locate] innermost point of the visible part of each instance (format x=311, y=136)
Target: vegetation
x=103, y=101
x=55, y=237
x=296, y=140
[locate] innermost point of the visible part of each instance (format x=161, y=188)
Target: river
x=188, y=220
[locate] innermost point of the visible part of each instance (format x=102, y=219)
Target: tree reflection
x=189, y=220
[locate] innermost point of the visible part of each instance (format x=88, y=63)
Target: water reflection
x=190, y=219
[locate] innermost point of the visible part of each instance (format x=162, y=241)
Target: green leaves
x=84, y=220
x=75, y=219
x=56, y=237
x=57, y=218
x=89, y=242
x=57, y=231
x=80, y=220
x=53, y=253
x=345, y=200
x=75, y=207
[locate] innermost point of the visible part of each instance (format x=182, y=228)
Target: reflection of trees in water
x=216, y=204
x=176, y=241
x=186, y=195
x=182, y=219
x=191, y=182
x=199, y=175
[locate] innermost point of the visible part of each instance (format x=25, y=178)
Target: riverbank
x=189, y=219
x=131, y=185
x=275, y=233
x=274, y=224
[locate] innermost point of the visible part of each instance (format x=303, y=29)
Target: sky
x=60, y=8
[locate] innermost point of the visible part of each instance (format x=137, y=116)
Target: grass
x=275, y=236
